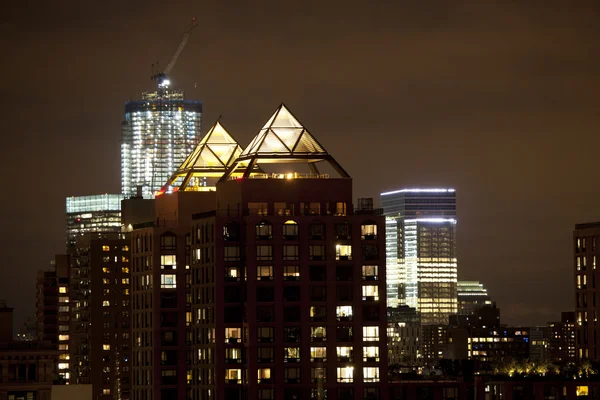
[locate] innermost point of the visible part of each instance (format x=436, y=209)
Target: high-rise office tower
x=97, y=214
x=471, y=296
x=158, y=133
x=586, y=252
x=426, y=250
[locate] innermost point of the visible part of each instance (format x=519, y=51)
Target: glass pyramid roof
x=217, y=149
x=283, y=135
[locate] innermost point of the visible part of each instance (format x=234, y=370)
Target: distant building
x=426, y=251
x=404, y=338
x=539, y=338
x=561, y=338
x=586, y=250
x=471, y=296
x=434, y=343
x=52, y=314
x=96, y=214
x=26, y=367
x=158, y=133
x=101, y=323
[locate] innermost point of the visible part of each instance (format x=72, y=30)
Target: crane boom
x=186, y=36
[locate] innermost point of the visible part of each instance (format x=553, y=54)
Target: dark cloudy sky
x=499, y=99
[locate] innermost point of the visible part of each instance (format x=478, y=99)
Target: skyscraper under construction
x=158, y=133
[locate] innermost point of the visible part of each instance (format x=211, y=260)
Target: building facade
x=426, y=251
x=92, y=214
x=101, y=356
x=471, y=295
x=158, y=133
x=561, y=340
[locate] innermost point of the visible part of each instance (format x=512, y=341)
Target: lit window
x=264, y=273
x=106, y=303
x=106, y=281
x=125, y=281
x=106, y=270
x=168, y=261
x=345, y=374
x=343, y=313
x=370, y=272
x=125, y=248
x=125, y=270
x=344, y=353
x=371, y=353
x=105, y=391
x=368, y=231
x=264, y=375
x=63, y=347
x=318, y=353
x=318, y=333
x=105, y=248
x=370, y=333
x=62, y=289
x=371, y=374
x=291, y=353
x=318, y=374
x=106, y=347
x=291, y=272
x=63, y=337
x=582, y=391
x=340, y=208
x=370, y=292
x=63, y=365
x=233, y=335
x=233, y=376
x=168, y=281
x=343, y=252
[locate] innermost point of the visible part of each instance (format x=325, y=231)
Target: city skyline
x=512, y=134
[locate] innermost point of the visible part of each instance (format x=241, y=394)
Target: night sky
x=498, y=99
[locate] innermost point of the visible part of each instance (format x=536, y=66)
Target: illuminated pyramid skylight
x=283, y=139
x=210, y=159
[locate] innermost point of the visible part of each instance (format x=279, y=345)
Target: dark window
x=265, y=314
x=168, y=357
x=346, y=394
x=343, y=334
x=265, y=294
x=317, y=273
x=291, y=293
x=343, y=293
x=231, y=253
x=168, y=318
x=371, y=313
x=371, y=393
x=231, y=232
x=168, y=241
x=318, y=293
x=291, y=253
x=232, y=294
x=233, y=314
x=168, y=300
x=264, y=231
x=291, y=314
x=344, y=273
x=168, y=338
x=316, y=252
x=264, y=252
x=370, y=252
x=291, y=333
x=265, y=355
x=290, y=230
x=317, y=231
x=342, y=231
x=318, y=313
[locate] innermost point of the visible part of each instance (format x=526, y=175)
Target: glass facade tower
x=425, y=244
x=92, y=214
x=158, y=133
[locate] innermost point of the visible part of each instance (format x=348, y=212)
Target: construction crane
x=163, y=77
